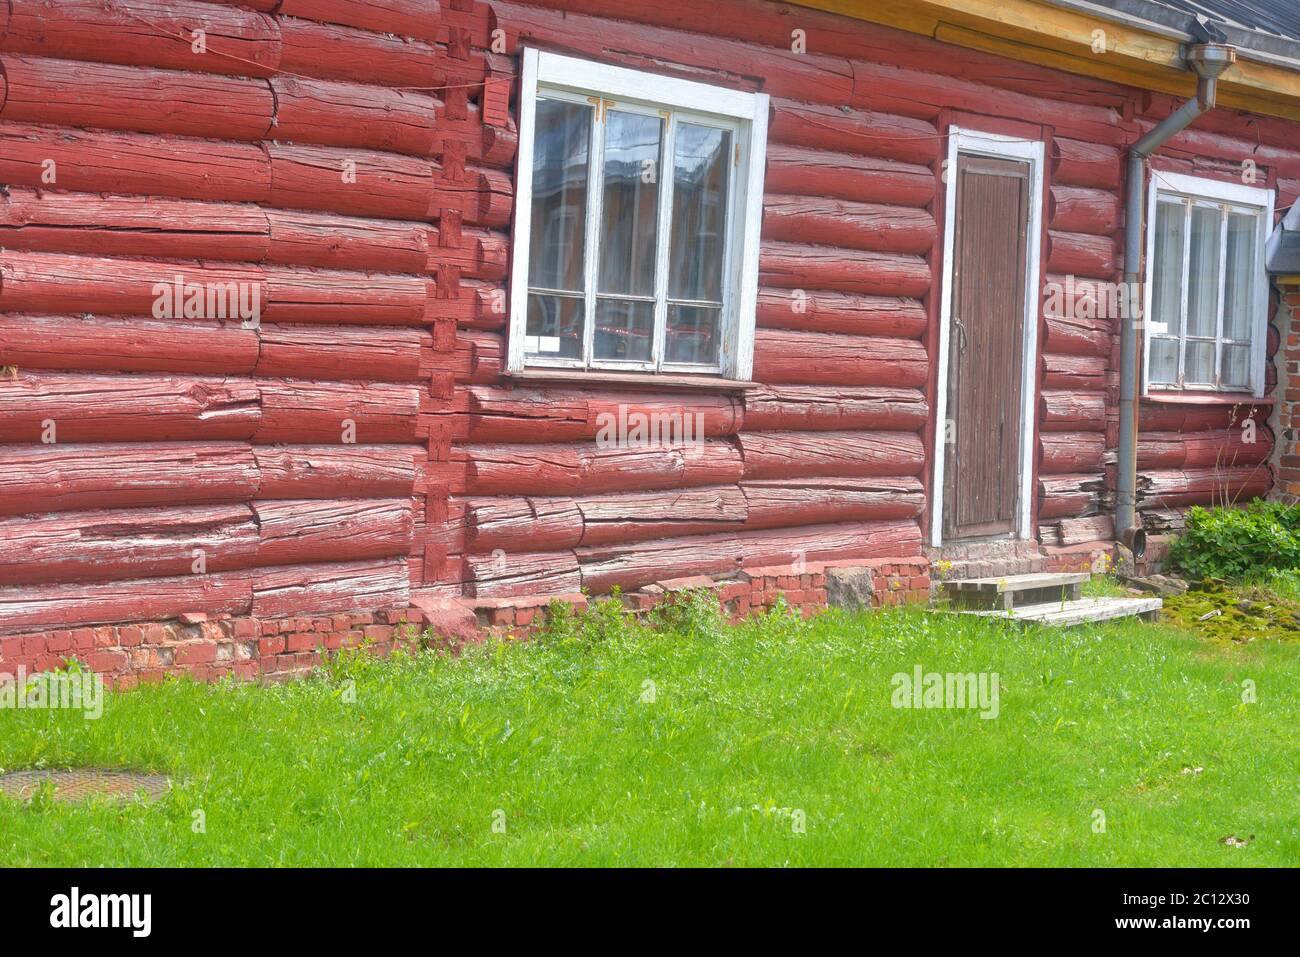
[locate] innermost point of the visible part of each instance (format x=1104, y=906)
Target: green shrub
x=1234, y=542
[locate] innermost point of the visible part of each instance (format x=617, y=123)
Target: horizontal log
x=350, y=181
x=334, y=52
x=1197, y=417
x=1081, y=163
x=817, y=358
x=50, y=408
x=1069, y=496
x=806, y=77
x=337, y=471
x=1099, y=304
x=847, y=224
x=297, y=294
x=521, y=573
x=111, y=97
x=296, y=531
x=799, y=266
x=1075, y=372
x=563, y=415
x=157, y=33
x=827, y=127
x=548, y=469
x=335, y=113
x=1078, y=531
x=132, y=226
x=784, y=455
x=1226, y=448
x=781, y=503
x=1078, y=337
x=56, y=283
x=94, y=161
x=45, y=478
x=298, y=410
x=126, y=543
x=352, y=353
x=1065, y=452
x=406, y=18
x=1168, y=488
x=1069, y=411
x=632, y=565
x=304, y=238
x=800, y=408
x=1078, y=209
x=1163, y=521
x=537, y=524
x=865, y=179
x=643, y=516
x=94, y=343
x=331, y=587
x=480, y=254
x=841, y=312
x=1079, y=254
x=31, y=607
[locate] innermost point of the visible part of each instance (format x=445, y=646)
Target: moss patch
x=1237, y=614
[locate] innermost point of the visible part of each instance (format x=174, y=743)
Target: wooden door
x=985, y=348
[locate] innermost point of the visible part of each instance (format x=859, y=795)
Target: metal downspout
x=1209, y=60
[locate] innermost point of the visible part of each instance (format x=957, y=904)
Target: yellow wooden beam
x=1287, y=280
x=1036, y=32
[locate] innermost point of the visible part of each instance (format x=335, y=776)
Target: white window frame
x=1252, y=199
x=745, y=114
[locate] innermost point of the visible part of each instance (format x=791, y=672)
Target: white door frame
x=999, y=147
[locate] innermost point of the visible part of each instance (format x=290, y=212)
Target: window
x=636, y=221
x=1207, y=293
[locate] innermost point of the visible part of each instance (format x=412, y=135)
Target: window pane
x=1167, y=282
x=1164, y=361
x=554, y=326
x=559, y=215
x=692, y=334
x=1203, y=277
x=1198, y=363
x=1236, y=366
x=624, y=329
x=630, y=214
x=699, y=228
x=1240, y=279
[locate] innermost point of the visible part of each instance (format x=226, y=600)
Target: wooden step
x=1010, y=591
x=1080, y=612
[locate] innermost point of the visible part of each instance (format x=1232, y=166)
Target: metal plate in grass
x=78, y=784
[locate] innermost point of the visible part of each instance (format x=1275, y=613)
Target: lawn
x=771, y=743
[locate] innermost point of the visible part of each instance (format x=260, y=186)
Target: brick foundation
x=211, y=647
x=1286, y=454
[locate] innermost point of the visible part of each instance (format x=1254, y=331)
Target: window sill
x=632, y=380
x=1190, y=397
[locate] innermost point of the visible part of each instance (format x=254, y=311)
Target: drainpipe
x=1209, y=60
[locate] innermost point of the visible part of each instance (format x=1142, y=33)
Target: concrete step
x=1011, y=591
x=1080, y=612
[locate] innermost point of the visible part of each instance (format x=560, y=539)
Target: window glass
x=559, y=204
x=1239, y=292
x=1203, y=272
x=699, y=213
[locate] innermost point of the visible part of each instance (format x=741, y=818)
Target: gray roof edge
x=1251, y=44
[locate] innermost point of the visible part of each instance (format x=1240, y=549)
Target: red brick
x=378, y=632
x=129, y=636
x=109, y=660
x=195, y=652
x=155, y=634
x=59, y=641
x=245, y=628
x=300, y=641
x=272, y=645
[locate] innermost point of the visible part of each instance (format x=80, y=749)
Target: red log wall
x=360, y=448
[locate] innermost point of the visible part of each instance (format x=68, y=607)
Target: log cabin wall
x=352, y=161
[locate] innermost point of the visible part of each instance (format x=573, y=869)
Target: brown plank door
x=986, y=348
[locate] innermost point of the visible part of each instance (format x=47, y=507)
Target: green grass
x=750, y=730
